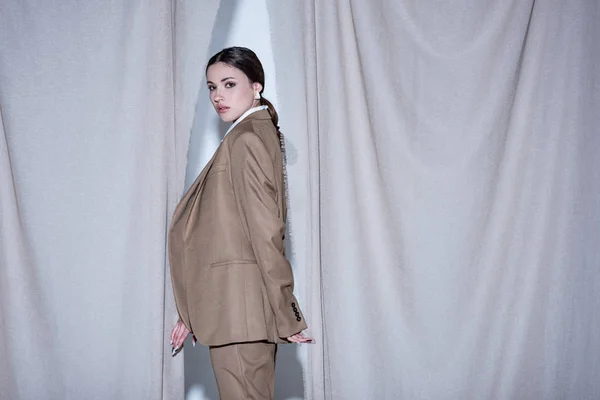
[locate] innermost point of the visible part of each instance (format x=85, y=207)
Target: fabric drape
x=451, y=232
x=97, y=101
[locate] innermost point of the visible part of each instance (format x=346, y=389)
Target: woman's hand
x=178, y=336
x=300, y=338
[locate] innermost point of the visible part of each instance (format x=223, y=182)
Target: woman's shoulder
x=254, y=133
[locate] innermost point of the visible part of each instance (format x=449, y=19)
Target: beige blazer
x=231, y=279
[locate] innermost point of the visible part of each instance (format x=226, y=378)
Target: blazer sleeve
x=255, y=191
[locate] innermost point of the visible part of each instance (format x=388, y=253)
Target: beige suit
x=231, y=279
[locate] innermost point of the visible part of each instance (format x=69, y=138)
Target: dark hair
x=246, y=61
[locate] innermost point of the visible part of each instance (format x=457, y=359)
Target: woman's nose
x=218, y=96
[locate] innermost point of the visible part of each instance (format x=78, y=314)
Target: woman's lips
x=222, y=109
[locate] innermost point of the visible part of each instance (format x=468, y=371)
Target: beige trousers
x=244, y=370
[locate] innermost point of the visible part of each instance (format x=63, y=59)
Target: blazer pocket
x=231, y=262
x=217, y=168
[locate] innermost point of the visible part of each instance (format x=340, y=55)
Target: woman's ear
x=257, y=87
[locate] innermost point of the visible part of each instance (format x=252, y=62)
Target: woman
x=232, y=282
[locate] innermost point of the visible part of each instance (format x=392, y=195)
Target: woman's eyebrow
x=222, y=80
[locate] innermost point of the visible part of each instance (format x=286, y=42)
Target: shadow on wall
x=203, y=111
x=199, y=379
x=288, y=373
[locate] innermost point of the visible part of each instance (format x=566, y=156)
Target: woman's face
x=231, y=92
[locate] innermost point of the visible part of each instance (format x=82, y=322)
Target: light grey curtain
x=96, y=101
x=293, y=35
x=451, y=158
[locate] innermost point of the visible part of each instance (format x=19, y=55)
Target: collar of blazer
x=253, y=113
x=244, y=115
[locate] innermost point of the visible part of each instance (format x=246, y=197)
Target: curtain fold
x=293, y=39
x=97, y=101
x=454, y=152
x=17, y=282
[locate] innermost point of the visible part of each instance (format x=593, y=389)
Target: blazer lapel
x=188, y=199
x=176, y=238
x=198, y=184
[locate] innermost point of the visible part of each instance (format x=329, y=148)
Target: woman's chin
x=226, y=118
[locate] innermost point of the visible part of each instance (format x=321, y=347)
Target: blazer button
x=297, y=314
x=293, y=304
x=298, y=319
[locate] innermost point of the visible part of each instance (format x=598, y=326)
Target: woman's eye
x=229, y=85
x=211, y=88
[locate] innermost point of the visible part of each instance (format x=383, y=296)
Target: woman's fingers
x=182, y=337
x=173, y=333
x=178, y=336
x=300, y=338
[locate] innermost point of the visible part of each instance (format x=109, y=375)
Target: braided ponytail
x=272, y=113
